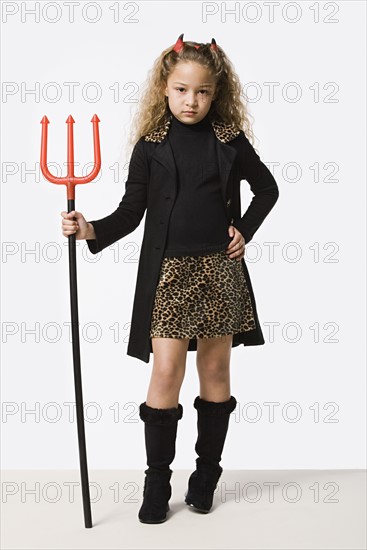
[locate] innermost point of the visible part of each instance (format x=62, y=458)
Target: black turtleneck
x=198, y=222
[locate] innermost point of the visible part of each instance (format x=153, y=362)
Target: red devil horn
x=213, y=45
x=179, y=44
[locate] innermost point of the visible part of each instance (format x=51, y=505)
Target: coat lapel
x=164, y=155
x=226, y=157
x=225, y=153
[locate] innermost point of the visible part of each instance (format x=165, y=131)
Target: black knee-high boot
x=212, y=425
x=160, y=442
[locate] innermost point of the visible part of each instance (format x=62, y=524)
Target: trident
x=71, y=181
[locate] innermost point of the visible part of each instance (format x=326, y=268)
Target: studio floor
x=252, y=509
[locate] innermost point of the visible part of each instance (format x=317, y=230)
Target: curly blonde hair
x=228, y=106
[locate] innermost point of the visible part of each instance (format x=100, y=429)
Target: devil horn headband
x=180, y=44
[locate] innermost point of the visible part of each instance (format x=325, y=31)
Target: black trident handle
x=77, y=374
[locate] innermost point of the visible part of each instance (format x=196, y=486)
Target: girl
x=193, y=290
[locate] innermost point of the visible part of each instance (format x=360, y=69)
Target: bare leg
x=213, y=362
x=168, y=372
x=214, y=406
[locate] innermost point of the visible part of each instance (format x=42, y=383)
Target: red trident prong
x=71, y=180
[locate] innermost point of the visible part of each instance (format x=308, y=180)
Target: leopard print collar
x=224, y=132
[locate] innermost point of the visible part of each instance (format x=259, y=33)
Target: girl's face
x=190, y=90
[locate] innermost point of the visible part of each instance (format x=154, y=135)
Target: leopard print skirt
x=201, y=297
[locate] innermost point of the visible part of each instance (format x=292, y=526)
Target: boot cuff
x=214, y=408
x=160, y=417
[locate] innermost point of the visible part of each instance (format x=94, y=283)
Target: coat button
x=229, y=202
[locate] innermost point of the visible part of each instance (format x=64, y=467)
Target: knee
x=168, y=375
x=213, y=370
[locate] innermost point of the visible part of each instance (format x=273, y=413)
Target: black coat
x=151, y=186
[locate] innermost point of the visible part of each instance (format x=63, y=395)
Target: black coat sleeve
x=131, y=209
x=263, y=186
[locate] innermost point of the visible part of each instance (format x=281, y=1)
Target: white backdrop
x=301, y=396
